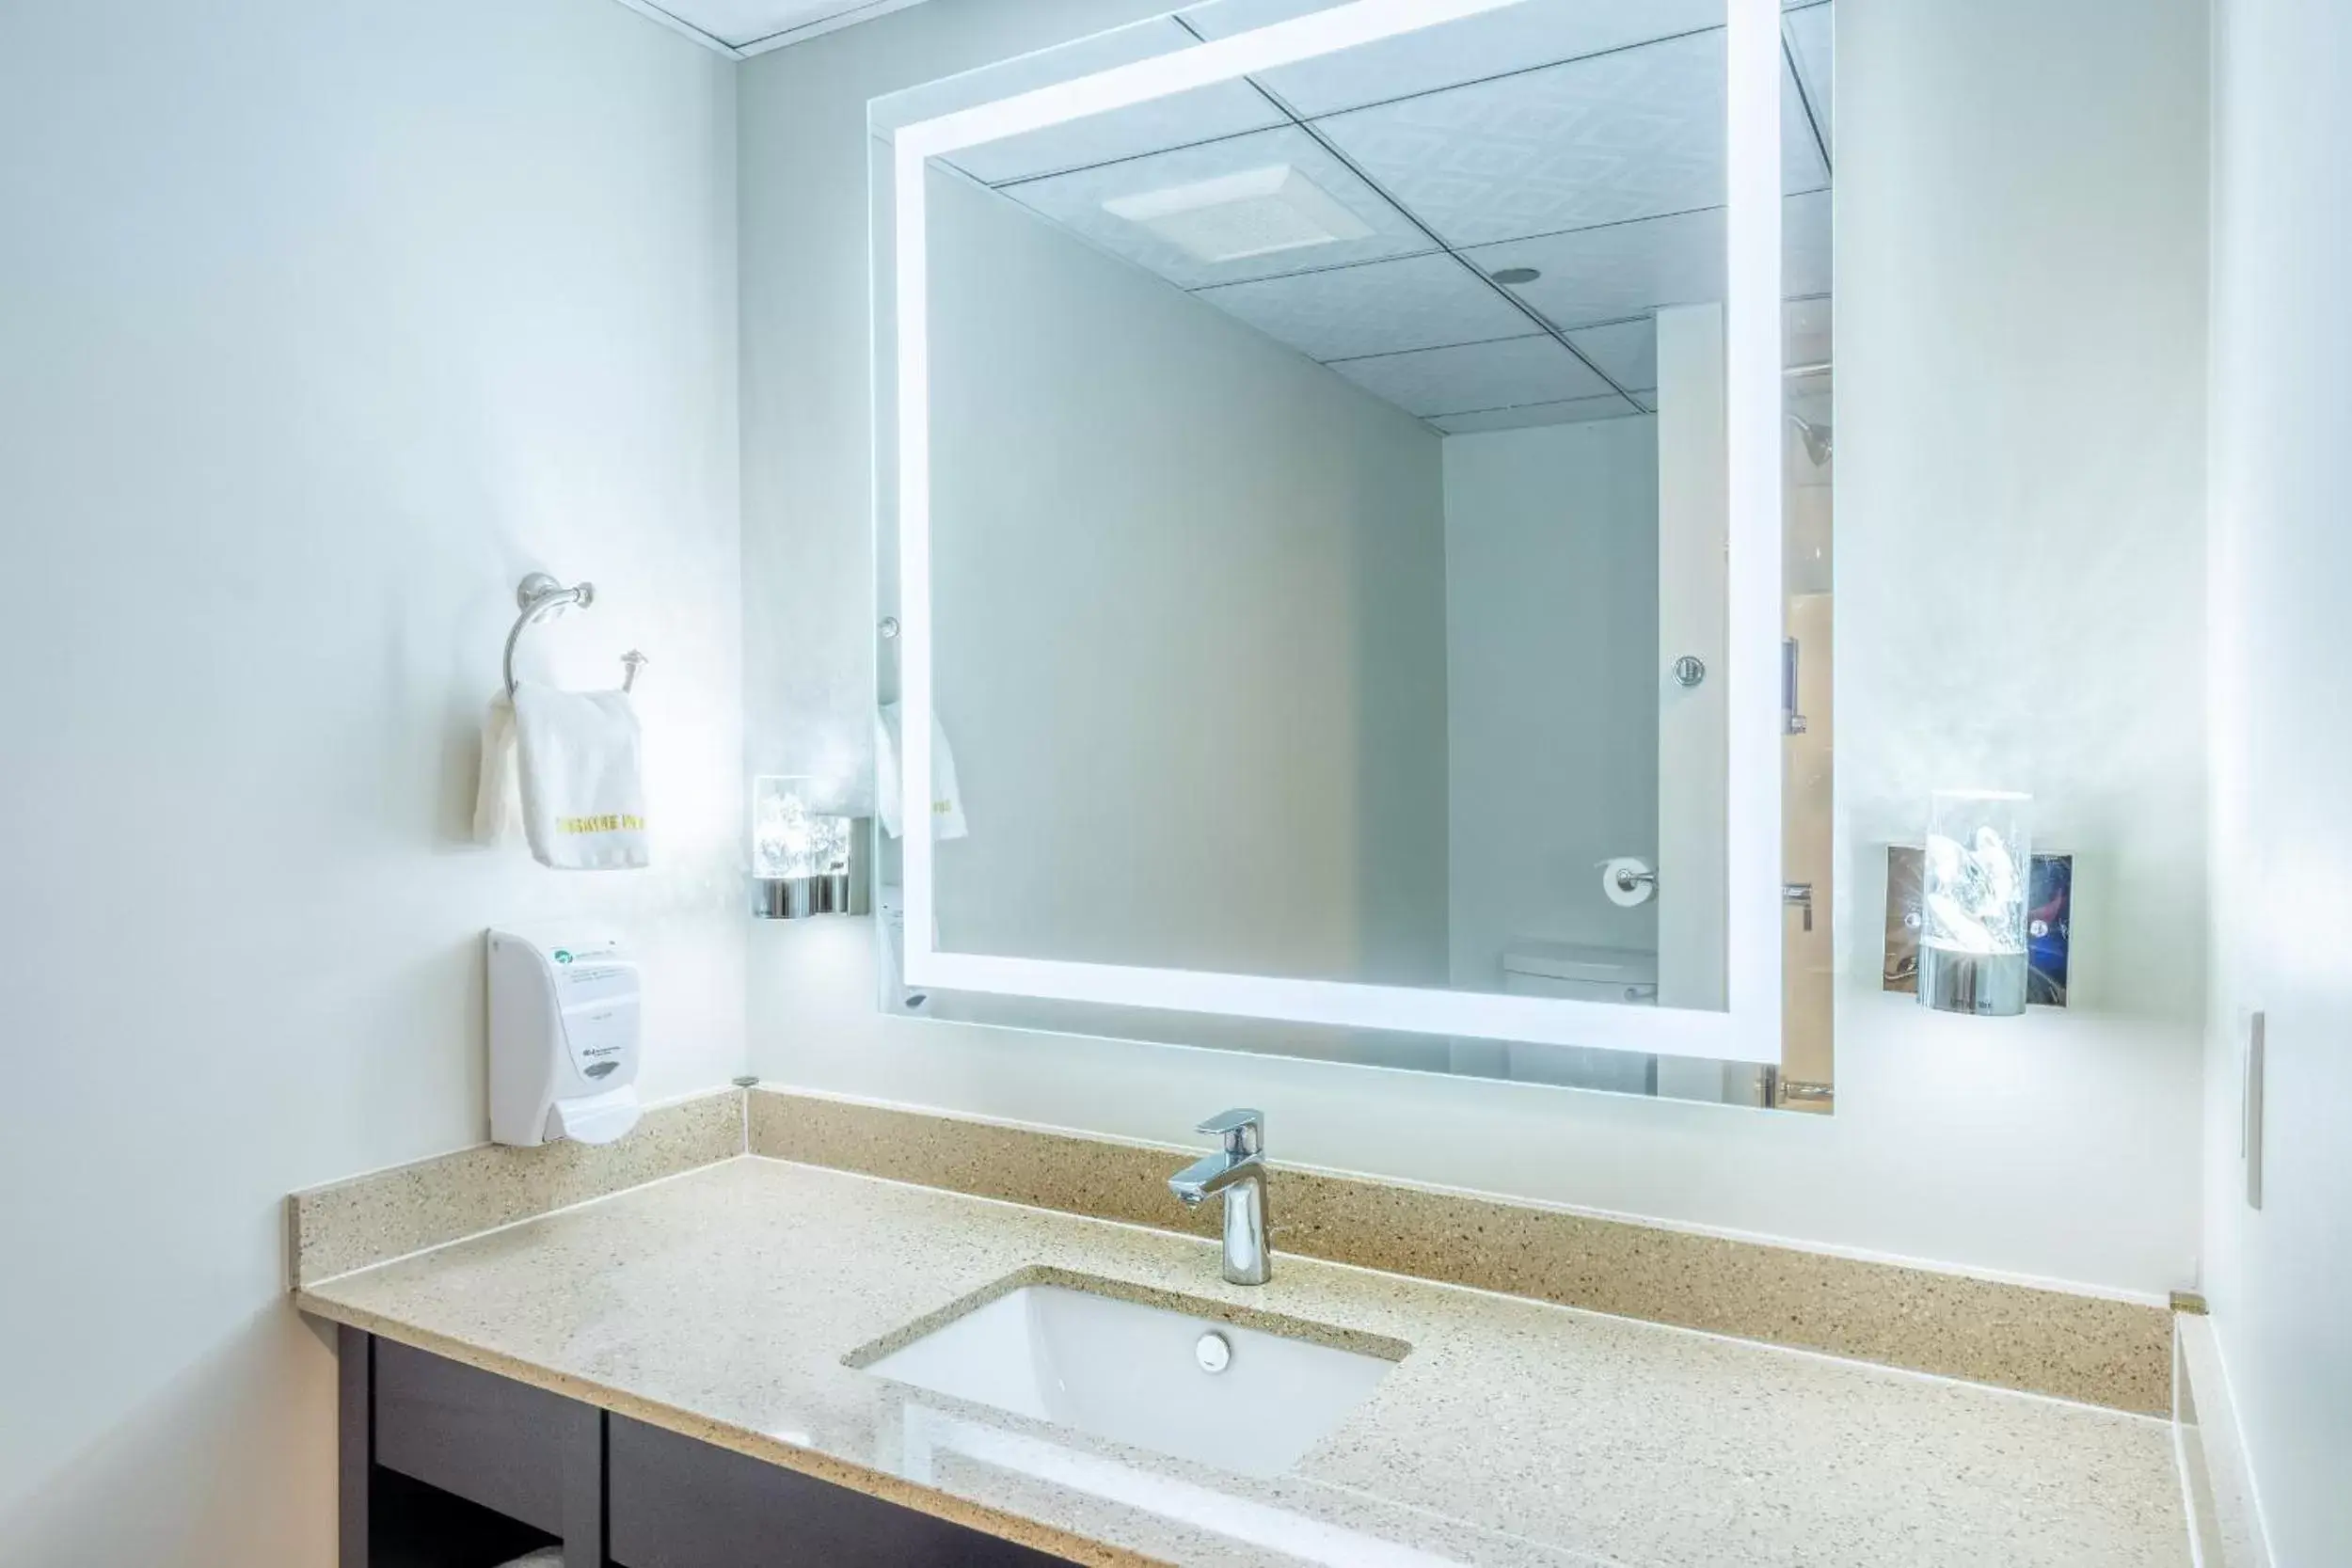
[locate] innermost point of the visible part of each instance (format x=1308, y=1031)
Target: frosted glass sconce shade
x=1975, y=877
x=804, y=858
x=787, y=838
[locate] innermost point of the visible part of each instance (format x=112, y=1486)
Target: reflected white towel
x=583, y=799
x=497, y=804
x=946, y=799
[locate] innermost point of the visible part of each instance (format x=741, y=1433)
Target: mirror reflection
x=1329, y=499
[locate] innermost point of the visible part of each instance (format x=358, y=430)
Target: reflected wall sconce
x=1976, y=922
x=804, y=860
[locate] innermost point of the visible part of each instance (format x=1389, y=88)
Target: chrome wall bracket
x=540, y=596
x=2048, y=928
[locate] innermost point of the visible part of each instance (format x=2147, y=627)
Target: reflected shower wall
x=1809, y=946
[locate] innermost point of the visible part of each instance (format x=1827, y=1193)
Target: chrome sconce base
x=799, y=897
x=1983, y=985
x=1986, y=984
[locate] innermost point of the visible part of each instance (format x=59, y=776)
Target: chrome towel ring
x=540, y=596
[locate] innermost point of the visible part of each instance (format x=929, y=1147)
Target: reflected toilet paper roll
x=1627, y=880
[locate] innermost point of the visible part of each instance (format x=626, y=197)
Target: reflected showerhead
x=1819, y=438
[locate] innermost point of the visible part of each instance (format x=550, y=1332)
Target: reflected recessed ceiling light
x=1517, y=276
x=1254, y=213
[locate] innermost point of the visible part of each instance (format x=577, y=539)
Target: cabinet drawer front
x=486, y=1438
x=677, y=1503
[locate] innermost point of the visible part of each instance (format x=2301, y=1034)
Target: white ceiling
x=1580, y=137
x=741, y=27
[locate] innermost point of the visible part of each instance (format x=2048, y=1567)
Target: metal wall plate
x=2250, y=1135
x=2049, y=922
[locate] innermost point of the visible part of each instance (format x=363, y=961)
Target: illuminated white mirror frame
x=1749, y=1028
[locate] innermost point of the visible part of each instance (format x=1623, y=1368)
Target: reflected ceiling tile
x=1380, y=307
x=1627, y=269
x=1475, y=377
x=1811, y=36
x=1518, y=37
x=1627, y=352
x=1631, y=135
x=1805, y=246
x=1527, y=415
x=1802, y=165
x=1076, y=201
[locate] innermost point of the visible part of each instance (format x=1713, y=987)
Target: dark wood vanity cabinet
x=445, y=1466
x=677, y=1503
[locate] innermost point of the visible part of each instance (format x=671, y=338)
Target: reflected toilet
x=1582, y=973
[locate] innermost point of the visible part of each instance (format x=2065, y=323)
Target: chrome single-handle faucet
x=1238, y=1171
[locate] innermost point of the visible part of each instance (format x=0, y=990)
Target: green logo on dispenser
x=562, y=955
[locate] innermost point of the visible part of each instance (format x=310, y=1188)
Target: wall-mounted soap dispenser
x=563, y=1037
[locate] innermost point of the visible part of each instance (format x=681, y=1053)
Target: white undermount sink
x=1142, y=1376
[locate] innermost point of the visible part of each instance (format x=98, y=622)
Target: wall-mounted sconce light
x=1974, y=879
x=807, y=862
x=1976, y=922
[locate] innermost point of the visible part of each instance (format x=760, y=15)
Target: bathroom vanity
x=708, y=1371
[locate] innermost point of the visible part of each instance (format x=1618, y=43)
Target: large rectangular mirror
x=1353, y=510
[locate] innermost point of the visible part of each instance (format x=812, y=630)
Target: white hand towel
x=583, y=787
x=947, y=798
x=498, y=805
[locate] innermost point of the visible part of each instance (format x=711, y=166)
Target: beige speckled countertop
x=723, y=1301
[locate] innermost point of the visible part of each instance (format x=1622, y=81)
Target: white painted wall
x=2021, y=373
x=1552, y=704
x=322, y=325
x=1190, y=608
x=2278, y=1278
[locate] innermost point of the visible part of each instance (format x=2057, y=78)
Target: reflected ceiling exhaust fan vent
x=1254, y=213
